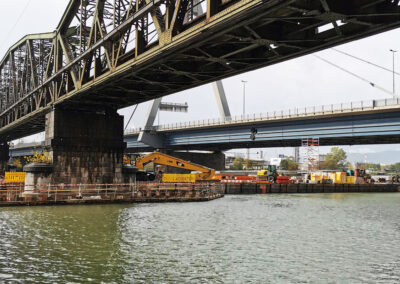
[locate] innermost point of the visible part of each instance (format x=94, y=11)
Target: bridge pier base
x=4, y=156
x=86, y=147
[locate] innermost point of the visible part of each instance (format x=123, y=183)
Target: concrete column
x=4, y=156
x=86, y=146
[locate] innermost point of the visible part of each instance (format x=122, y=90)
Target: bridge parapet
x=360, y=107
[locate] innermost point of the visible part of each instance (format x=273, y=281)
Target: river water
x=317, y=238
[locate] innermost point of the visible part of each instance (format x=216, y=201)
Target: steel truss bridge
x=109, y=54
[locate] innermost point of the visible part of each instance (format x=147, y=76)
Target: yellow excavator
x=203, y=173
x=271, y=174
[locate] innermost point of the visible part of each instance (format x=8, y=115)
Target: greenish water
x=327, y=238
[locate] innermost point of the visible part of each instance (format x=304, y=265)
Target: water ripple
x=333, y=238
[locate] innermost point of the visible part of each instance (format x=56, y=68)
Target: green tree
x=394, y=167
x=238, y=163
x=367, y=166
x=249, y=164
x=289, y=164
x=349, y=166
x=334, y=160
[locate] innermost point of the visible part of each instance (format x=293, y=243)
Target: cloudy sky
x=306, y=81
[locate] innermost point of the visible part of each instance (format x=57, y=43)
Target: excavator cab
x=271, y=173
x=272, y=168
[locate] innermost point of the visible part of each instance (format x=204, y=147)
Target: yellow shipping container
x=340, y=177
x=350, y=180
x=14, y=177
x=316, y=177
x=179, y=178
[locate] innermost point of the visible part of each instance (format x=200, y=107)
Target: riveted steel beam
x=145, y=49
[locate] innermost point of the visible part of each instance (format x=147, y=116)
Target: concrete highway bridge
x=365, y=122
x=105, y=55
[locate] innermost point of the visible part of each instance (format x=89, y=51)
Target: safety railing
x=19, y=194
x=290, y=113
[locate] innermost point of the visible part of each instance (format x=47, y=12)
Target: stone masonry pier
x=85, y=146
x=4, y=155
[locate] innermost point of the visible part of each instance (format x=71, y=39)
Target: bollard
x=79, y=194
x=133, y=190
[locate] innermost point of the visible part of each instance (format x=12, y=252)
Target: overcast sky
x=305, y=81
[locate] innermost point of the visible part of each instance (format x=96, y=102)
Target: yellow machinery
x=14, y=177
x=167, y=160
x=270, y=174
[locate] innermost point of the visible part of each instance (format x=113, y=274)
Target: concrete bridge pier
x=4, y=156
x=86, y=146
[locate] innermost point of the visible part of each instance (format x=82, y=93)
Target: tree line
x=336, y=159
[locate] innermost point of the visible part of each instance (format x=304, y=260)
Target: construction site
x=158, y=177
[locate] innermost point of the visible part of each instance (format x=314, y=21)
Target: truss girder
x=115, y=53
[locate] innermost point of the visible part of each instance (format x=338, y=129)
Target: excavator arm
x=167, y=160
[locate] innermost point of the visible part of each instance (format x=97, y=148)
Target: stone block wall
x=86, y=147
x=4, y=156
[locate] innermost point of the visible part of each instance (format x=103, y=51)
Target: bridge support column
x=4, y=156
x=86, y=146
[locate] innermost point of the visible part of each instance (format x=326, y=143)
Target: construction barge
x=15, y=195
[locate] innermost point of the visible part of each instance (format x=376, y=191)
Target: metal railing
x=274, y=115
x=14, y=194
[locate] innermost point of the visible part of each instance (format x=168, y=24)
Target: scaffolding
x=310, y=153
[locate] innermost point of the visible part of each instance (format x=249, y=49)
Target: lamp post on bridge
x=244, y=97
x=244, y=112
x=394, y=78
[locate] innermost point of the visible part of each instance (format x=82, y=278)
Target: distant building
x=256, y=164
x=275, y=161
x=321, y=157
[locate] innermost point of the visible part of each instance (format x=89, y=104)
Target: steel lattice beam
x=116, y=53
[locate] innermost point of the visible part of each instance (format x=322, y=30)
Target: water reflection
x=67, y=243
x=278, y=238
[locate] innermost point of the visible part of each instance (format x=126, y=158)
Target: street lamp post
x=394, y=78
x=244, y=97
x=244, y=112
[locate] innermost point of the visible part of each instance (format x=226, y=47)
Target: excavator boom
x=167, y=160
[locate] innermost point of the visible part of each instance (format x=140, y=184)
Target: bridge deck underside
x=245, y=36
x=379, y=128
